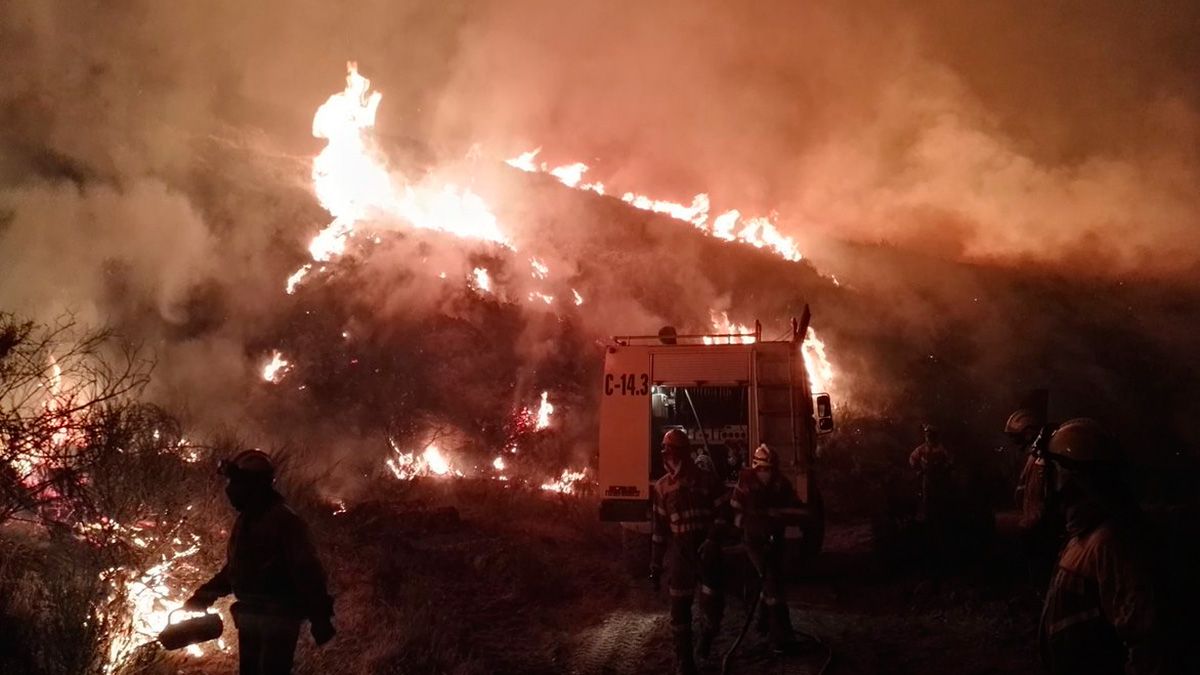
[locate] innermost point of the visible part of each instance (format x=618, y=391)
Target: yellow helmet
x=763, y=457
x=1083, y=441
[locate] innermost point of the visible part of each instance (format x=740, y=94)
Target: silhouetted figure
x=1040, y=527
x=765, y=502
x=933, y=461
x=1101, y=614
x=272, y=569
x=689, y=516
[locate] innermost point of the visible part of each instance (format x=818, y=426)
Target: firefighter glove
x=199, y=602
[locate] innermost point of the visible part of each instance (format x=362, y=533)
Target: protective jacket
x=764, y=509
x=1100, y=616
x=934, y=462
x=690, y=514
x=271, y=565
x=688, y=509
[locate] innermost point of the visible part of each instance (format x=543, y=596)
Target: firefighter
x=1039, y=527
x=932, y=461
x=1100, y=614
x=689, y=517
x=272, y=569
x=765, y=502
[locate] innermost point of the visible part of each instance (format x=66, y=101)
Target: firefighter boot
x=685, y=663
x=712, y=605
x=783, y=639
x=762, y=623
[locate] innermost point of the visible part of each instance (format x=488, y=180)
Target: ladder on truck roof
x=775, y=390
x=775, y=402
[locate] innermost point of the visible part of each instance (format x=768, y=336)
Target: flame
x=544, y=297
x=816, y=361
x=545, y=410
x=820, y=370
x=431, y=462
x=483, y=280
x=540, y=270
x=567, y=482
x=276, y=368
x=724, y=327
x=498, y=463
x=759, y=232
x=352, y=182
x=296, y=277
x=149, y=598
x=578, y=297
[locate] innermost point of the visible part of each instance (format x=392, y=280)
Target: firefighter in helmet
x=272, y=569
x=765, y=503
x=1100, y=615
x=1039, y=525
x=690, y=514
x=932, y=461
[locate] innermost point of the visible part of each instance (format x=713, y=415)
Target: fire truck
x=729, y=393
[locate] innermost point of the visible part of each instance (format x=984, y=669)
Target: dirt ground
x=863, y=618
x=476, y=579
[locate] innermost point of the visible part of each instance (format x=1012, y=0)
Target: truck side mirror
x=824, y=413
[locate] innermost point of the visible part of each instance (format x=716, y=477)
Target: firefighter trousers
x=767, y=559
x=688, y=573
x=266, y=643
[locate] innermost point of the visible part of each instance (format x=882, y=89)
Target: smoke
x=969, y=131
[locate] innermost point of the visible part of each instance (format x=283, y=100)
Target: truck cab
x=729, y=393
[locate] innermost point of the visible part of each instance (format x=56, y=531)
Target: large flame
x=352, y=182
x=759, y=232
x=820, y=370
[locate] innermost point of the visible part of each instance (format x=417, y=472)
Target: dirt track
x=981, y=622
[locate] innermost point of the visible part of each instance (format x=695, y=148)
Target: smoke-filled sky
x=158, y=153
x=969, y=129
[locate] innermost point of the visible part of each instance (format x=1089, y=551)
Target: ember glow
x=432, y=461
x=759, y=232
x=568, y=482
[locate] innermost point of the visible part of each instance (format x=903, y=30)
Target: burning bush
x=99, y=514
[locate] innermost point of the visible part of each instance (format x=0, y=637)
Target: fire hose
x=758, y=598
